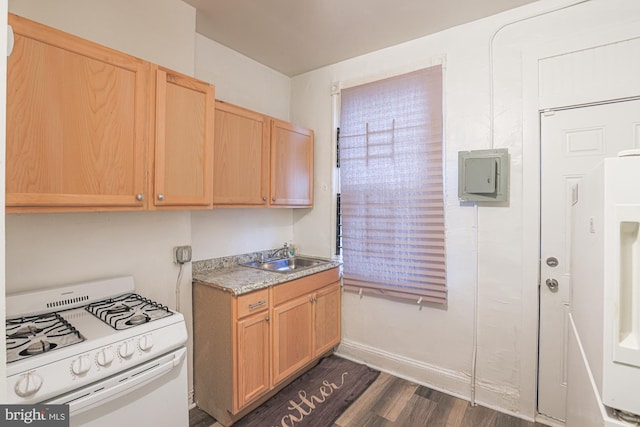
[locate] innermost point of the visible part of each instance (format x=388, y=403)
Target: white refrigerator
x=603, y=363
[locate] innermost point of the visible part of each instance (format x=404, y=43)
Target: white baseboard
x=543, y=419
x=450, y=382
x=458, y=384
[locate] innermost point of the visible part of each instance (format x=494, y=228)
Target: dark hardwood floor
x=394, y=402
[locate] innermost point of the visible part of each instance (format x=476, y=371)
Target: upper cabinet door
x=184, y=141
x=291, y=165
x=77, y=123
x=241, y=159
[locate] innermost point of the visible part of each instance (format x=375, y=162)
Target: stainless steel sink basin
x=286, y=265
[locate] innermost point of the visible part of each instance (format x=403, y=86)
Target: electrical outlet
x=183, y=254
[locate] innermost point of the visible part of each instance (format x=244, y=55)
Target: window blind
x=391, y=186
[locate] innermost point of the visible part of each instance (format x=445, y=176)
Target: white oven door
x=151, y=394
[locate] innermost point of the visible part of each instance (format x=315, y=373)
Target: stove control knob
x=104, y=357
x=126, y=349
x=81, y=365
x=28, y=384
x=145, y=342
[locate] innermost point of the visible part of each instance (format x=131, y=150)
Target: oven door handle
x=119, y=385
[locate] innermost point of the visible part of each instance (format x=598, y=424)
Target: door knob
x=552, y=284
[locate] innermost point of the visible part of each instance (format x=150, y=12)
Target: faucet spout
x=278, y=253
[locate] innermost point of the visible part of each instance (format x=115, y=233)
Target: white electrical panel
x=483, y=175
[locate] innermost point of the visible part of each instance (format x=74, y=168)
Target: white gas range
x=108, y=353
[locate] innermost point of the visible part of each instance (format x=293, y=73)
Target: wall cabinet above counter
x=260, y=161
x=93, y=129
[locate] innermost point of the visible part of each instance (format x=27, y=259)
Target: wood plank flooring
x=394, y=402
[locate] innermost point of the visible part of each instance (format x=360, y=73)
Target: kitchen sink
x=287, y=265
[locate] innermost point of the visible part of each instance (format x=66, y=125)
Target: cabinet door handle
x=256, y=305
x=264, y=199
x=139, y=197
x=273, y=199
x=161, y=197
x=266, y=319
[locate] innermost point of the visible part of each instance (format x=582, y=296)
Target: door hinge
x=548, y=112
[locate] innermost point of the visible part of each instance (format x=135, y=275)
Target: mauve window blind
x=391, y=178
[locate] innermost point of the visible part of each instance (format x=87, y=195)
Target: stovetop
x=70, y=336
x=33, y=335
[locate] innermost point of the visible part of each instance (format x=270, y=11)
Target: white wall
x=244, y=82
x=52, y=249
x=493, y=249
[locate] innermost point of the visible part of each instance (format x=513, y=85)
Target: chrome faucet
x=279, y=253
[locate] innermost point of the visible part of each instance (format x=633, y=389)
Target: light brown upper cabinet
x=291, y=165
x=77, y=123
x=260, y=161
x=183, y=176
x=90, y=128
x=241, y=157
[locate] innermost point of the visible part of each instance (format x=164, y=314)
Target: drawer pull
x=256, y=305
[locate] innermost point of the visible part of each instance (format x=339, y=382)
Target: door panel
x=572, y=143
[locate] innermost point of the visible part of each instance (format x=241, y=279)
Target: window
x=391, y=186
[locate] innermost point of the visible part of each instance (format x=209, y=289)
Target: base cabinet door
x=326, y=318
x=252, y=358
x=291, y=337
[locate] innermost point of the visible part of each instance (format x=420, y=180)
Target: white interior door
x=572, y=143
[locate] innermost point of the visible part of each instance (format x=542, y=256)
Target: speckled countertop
x=227, y=273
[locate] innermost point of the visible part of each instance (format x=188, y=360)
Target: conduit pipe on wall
x=492, y=146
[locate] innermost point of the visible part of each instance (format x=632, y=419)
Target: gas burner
x=25, y=332
x=32, y=335
x=138, y=319
x=119, y=308
x=38, y=347
x=127, y=311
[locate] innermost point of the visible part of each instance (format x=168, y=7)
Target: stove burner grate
x=127, y=310
x=31, y=335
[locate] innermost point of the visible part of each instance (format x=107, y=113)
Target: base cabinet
x=247, y=348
